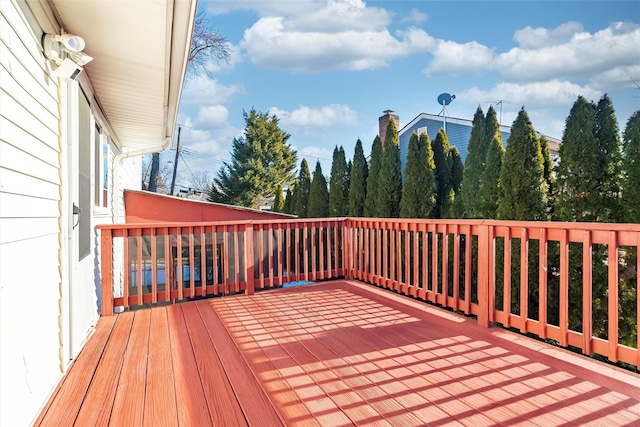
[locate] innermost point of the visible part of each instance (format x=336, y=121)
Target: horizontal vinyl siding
x=30, y=235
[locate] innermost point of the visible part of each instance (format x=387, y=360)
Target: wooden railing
x=574, y=283
x=170, y=261
x=578, y=284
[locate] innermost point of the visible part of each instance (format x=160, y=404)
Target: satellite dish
x=445, y=98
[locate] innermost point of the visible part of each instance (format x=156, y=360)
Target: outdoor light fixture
x=65, y=51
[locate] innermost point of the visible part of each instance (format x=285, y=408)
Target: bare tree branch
x=207, y=44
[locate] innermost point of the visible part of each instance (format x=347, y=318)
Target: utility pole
x=175, y=163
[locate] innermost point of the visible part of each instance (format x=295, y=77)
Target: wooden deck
x=330, y=354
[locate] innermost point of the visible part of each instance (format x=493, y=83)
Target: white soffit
x=140, y=53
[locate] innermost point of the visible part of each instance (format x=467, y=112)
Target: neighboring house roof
x=458, y=133
x=140, y=50
x=146, y=207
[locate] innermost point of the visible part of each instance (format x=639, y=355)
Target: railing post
x=484, y=258
x=106, y=271
x=248, y=259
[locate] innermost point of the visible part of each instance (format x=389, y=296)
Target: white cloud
x=617, y=79
x=583, y=55
x=415, y=16
x=323, y=117
x=554, y=93
x=454, y=58
x=207, y=91
x=212, y=117
x=339, y=35
x=313, y=154
x=534, y=38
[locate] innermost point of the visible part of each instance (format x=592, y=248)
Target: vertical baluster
x=280, y=252
x=106, y=270
x=215, y=276
x=226, y=263
x=192, y=283
x=261, y=256
x=314, y=250
x=127, y=269
x=236, y=258
x=524, y=280
x=445, y=266
x=249, y=258
x=434, y=264
x=415, y=260
x=425, y=262
x=407, y=255
x=467, y=269
x=154, y=267
x=167, y=264
x=297, y=253
x=270, y=230
x=305, y=250
x=456, y=267
x=587, y=293
x=542, y=279
x=614, y=312
x=506, y=297
x=564, y=288
x=180, y=279
x=203, y=261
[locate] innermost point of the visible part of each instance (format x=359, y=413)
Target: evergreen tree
x=578, y=179
x=318, y=195
x=288, y=206
x=358, y=182
x=610, y=159
x=390, y=176
x=442, y=161
x=260, y=161
x=302, y=190
x=278, y=201
x=339, y=184
x=370, y=201
x=490, y=183
x=631, y=167
x=419, y=189
x=474, y=165
x=457, y=172
x=522, y=187
x=548, y=174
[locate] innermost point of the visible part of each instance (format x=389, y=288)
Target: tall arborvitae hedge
x=302, y=190
x=339, y=184
x=523, y=189
x=289, y=205
x=358, y=182
x=370, y=208
x=389, y=190
x=548, y=175
x=418, y=191
x=278, y=201
x=631, y=167
x=318, y=195
x=474, y=165
x=608, y=137
x=441, y=159
x=490, y=183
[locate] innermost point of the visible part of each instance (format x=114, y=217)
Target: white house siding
x=30, y=222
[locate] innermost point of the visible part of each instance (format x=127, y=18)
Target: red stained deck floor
x=331, y=354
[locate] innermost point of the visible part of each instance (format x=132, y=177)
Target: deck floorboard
x=330, y=354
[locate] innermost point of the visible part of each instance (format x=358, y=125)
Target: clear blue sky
x=328, y=69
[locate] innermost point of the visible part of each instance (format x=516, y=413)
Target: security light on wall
x=65, y=51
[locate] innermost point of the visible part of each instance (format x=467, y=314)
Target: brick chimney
x=383, y=122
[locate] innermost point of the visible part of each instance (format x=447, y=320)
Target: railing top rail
x=212, y=223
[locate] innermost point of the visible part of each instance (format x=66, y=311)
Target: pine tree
x=278, y=201
x=419, y=189
x=302, y=190
x=490, y=182
x=631, y=167
x=370, y=201
x=288, y=206
x=318, y=195
x=260, y=161
x=442, y=161
x=358, y=182
x=474, y=165
x=390, y=177
x=522, y=187
x=339, y=184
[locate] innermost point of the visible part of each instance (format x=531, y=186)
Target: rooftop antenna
x=445, y=99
